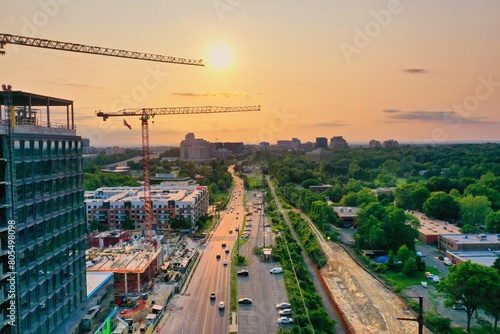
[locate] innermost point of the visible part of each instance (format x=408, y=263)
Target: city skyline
x=412, y=71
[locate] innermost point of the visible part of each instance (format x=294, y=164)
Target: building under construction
x=134, y=266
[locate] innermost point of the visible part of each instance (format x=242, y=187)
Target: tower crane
x=73, y=47
x=145, y=114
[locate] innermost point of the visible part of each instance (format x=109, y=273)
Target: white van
x=276, y=270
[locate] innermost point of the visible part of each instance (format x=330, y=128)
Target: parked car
x=420, y=254
x=458, y=307
x=282, y=306
x=276, y=271
x=285, y=312
x=285, y=320
x=440, y=258
x=242, y=273
x=244, y=301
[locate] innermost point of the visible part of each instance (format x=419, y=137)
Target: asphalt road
x=264, y=289
x=194, y=312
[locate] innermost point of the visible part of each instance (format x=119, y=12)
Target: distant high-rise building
x=338, y=142
x=194, y=149
x=295, y=144
x=375, y=143
x=41, y=205
x=284, y=144
x=390, y=143
x=321, y=142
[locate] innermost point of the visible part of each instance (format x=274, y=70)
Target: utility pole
x=420, y=318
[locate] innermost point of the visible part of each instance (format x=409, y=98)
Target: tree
x=469, y=229
x=128, y=224
x=493, y=222
x=441, y=206
x=94, y=225
x=474, y=209
x=418, y=196
x=404, y=253
x=469, y=284
x=410, y=267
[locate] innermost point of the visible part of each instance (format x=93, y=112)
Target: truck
x=447, y=261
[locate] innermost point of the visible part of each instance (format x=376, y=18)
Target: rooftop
x=125, y=259
x=95, y=280
x=429, y=226
x=473, y=238
x=485, y=258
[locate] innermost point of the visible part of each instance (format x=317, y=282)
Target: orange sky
x=408, y=70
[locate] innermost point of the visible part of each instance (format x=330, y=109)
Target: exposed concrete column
x=126, y=285
x=138, y=282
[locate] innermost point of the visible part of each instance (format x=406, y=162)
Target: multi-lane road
x=195, y=312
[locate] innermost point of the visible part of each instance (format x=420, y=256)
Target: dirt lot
x=368, y=306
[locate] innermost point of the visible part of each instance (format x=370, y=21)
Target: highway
x=195, y=312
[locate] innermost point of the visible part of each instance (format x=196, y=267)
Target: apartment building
x=112, y=206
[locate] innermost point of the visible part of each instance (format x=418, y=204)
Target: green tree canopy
x=441, y=206
x=474, y=209
x=470, y=284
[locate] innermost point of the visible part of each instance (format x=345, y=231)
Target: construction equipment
x=73, y=47
x=144, y=115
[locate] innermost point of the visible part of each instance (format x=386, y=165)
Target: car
x=285, y=312
x=435, y=279
x=222, y=305
x=440, y=258
x=420, y=254
x=276, y=271
x=230, y=231
x=429, y=275
x=225, y=263
x=242, y=273
x=244, y=301
x=458, y=307
x=282, y=306
x=227, y=251
x=223, y=244
x=212, y=295
x=218, y=256
x=285, y=320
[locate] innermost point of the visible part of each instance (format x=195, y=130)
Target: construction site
x=134, y=265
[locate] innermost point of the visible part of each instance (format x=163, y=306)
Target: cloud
x=214, y=94
x=415, y=70
x=330, y=124
x=446, y=116
x=65, y=82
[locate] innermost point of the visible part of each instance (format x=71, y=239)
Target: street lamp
x=420, y=318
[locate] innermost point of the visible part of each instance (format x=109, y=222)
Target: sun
x=220, y=56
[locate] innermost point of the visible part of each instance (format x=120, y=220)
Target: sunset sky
x=413, y=71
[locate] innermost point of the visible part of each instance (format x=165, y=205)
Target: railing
x=43, y=124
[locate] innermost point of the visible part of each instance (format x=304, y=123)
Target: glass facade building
x=42, y=216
